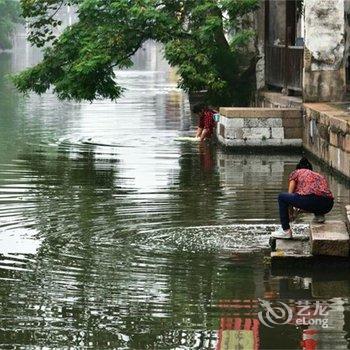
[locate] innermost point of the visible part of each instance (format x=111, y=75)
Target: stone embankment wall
x=322, y=129
x=260, y=127
x=327, y=135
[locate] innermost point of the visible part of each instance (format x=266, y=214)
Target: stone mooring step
x=287, y=249
x=329, y=239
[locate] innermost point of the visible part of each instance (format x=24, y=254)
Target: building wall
x=347, y=39
x=260, y=45
x=324, y=69
x=326, y=31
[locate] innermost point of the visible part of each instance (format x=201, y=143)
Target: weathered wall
x=324, y=69
x=327, y=135
x=347, y=37
x=260, y=127
x=260, y=45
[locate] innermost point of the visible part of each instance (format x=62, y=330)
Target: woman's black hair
x=304, y=164
x=197, y=108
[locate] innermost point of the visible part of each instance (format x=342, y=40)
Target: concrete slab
x=291, y=249
x=330, y=238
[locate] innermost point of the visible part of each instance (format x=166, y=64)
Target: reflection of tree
x=86, y=277
x=70, y=197
x=9, y=99
x=91, y=282
x=72, y=190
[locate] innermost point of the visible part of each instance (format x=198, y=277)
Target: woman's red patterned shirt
x=206, y=121
x=310, y=182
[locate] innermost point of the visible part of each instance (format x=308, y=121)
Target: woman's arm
x=204, y=134
x=291, y=186
x=199, y=132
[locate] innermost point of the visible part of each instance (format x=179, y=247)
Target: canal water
x=115, y=236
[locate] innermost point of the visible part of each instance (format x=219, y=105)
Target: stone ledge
x=330, y=238
x=294, y=143
x=337, y=120
x=256, y=112
x=340, y=123
x=279, y=100
x=319, y=107
x=291, y=249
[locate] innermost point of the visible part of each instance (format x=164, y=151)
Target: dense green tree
x=9, y=16
x=208, y=41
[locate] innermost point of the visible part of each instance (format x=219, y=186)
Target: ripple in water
x=244, y=238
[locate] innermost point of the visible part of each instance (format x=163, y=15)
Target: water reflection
x=115, y=236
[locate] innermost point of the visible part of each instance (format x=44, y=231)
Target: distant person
x=308, y=191
x=206, y=123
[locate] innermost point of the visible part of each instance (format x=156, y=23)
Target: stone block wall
x=260, y=127
x=327, y=135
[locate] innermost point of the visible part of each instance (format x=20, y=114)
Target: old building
x=304, y=48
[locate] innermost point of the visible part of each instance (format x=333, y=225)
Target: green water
x=115, y=236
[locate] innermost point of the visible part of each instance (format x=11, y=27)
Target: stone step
x=290, y=249
x=330, y=238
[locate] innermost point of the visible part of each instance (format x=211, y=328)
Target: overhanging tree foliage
x=9, y=15
x=80, y=63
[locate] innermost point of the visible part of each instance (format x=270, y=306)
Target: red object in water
x=308, y=344
x=239, y=324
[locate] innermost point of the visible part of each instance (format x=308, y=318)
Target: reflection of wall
x=316, y=300
x=250, y=179
x=334, y=336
